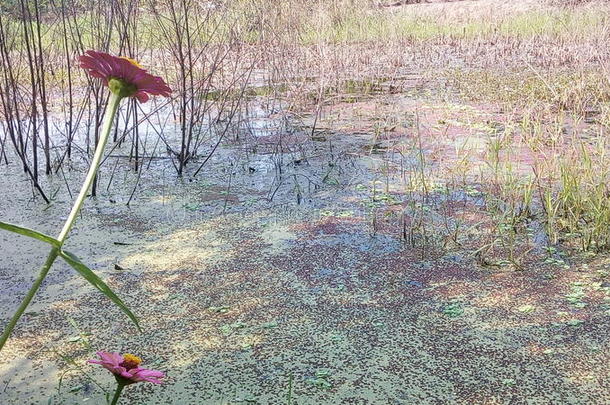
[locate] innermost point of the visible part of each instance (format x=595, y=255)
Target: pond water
x=301, y=262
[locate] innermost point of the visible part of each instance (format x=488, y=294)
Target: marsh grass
x=413, y=24
x=545, y=65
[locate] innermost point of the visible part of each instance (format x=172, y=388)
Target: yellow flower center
x=133, y=62
x=130, y=361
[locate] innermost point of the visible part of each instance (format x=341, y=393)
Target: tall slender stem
x=111, y=109
x=117, y=394
x=113, y=105
x=28, y=298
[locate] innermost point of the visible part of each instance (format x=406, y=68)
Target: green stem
x=28, y=298
x=111, y=109
x=117, y=394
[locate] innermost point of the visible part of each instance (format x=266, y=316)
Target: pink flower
x=136, y=81
x=128, y=367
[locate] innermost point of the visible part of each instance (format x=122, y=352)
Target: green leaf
x=575, y=322
x=97, y=282
x=453, y=310
x=509, y=381
x=30, y=232
x=526, y=308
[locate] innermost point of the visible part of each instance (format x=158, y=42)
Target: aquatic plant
x=124, y=78
x=126, y=369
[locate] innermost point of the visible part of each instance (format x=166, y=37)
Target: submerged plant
x=124, y=78
x=126, y=370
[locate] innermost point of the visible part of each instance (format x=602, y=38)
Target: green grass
x=354, y=27
x=357, y=24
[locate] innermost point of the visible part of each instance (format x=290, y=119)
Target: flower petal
x=104, y=66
